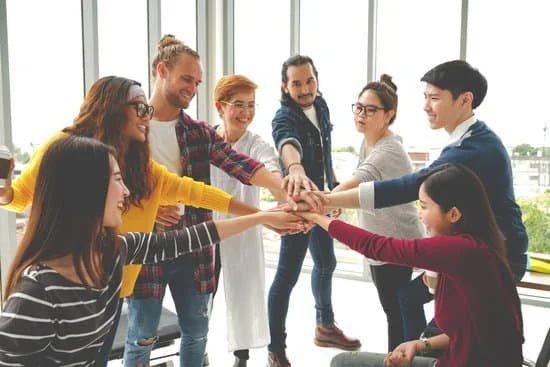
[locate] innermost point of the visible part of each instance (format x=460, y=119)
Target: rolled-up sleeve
x=366, y=197
x=235, y=164
x=284, y=132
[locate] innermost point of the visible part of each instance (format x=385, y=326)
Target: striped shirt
x=51, y=321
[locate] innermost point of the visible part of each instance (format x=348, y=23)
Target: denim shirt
x=291, y=126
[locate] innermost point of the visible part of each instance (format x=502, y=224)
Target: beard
x=175, y=100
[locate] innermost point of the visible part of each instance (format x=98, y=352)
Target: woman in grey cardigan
x=382, y=157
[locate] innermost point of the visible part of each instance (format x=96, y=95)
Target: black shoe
x=239, y=362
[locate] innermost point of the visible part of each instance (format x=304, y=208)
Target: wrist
x=424, y=344
x=294, y=165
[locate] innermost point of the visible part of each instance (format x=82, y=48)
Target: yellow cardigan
x=169, y=188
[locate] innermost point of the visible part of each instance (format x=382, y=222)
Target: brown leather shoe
x=332, y=336
x=277, y=359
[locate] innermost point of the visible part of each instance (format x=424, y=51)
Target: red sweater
x=476, y=302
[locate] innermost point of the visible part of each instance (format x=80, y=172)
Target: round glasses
x=142, y=109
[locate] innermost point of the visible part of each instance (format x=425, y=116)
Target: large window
x=512, y=55
x=414, y=36
x=45, y=60
x=342, y=64
x=46, y=75
x=122, y=39
x=260, y=54
x=342, y=68
x=178, y=17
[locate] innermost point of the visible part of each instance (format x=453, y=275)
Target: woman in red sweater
x=477, y=305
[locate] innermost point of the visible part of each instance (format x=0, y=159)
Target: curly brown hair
x=103, y=116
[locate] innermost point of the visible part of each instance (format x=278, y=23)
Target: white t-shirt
x=164, y=144
x=312, y=116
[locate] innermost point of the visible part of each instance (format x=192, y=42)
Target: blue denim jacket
x=291, y=126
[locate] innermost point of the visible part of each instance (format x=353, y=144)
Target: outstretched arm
x=144, y=248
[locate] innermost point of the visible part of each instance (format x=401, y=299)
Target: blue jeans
x=192, y=310
x=291, y=256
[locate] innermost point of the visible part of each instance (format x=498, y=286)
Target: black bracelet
x=292, y=164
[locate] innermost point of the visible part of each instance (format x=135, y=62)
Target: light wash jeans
x=192, y=310
x=365, y=359
x=291, y=256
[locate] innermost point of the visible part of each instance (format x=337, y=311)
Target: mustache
x=305, y=95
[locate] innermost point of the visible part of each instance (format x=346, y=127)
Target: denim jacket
x=291, y=126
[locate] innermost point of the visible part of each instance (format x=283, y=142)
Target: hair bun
x=387, y=79
x=168, y=40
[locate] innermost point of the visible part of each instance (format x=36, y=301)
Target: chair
x=168, y=331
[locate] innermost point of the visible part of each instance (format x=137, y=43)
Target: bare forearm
x=352, y=183
x=270, y=180
x=279, y=194
x=233, y=226
x=238, y=207
x=322, y=220
x=289, y=155
x=438, y=342
x=345, y=199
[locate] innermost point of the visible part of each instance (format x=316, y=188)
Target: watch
x=426, y=343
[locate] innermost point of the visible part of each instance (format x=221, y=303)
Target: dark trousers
x=411, y=302
x=389, y=279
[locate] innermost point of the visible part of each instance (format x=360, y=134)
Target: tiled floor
x=358, y=313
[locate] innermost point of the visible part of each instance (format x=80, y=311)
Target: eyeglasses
x=241, y=106
x=370, y=110
x=142, y=109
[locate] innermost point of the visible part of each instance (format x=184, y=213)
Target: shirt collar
x=461, y=129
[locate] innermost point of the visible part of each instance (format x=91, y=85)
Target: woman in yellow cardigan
x=115, y=112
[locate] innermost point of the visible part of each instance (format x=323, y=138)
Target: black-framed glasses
x=370, y=110
x=241, y=106
x=142, y=109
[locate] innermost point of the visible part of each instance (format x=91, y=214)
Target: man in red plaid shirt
x=187, y=147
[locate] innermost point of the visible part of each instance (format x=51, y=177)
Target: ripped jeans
x=192, y=310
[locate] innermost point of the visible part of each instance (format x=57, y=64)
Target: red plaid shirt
x=200, y=146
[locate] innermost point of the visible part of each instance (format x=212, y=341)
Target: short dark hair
x=295, y=60
x=458, y=77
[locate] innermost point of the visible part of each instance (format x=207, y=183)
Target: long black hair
x=67, y=212
x=454, y=185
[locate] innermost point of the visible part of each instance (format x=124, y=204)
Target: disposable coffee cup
x=432, y=278
x=181, y=208
x=5, y=157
